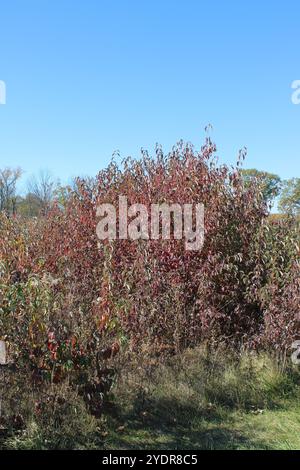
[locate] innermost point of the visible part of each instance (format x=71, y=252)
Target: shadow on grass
x=200, y=402
x=172, y=426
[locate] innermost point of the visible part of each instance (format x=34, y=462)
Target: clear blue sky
x=87, y=77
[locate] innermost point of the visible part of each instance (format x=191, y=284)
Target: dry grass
x=205, y=400
x=198, y=400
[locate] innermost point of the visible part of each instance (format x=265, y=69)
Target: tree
x=8, y=182
x=41, y=190
x=290, y=197
x=29, y=206
x=270, y=183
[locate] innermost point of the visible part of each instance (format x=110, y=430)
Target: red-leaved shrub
x=70, y=302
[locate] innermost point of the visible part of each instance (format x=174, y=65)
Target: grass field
x=266, y=430
x=209, y=403
x=198, y=400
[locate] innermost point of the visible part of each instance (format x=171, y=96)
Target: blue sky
x=87, y=78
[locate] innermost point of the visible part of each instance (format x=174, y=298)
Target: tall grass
x=199, y=399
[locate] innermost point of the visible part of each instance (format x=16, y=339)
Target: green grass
x=207, y=402
x=199, y=400
x=231, y=430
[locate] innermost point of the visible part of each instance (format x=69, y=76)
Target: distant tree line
x=42, y=190
x=287, y=192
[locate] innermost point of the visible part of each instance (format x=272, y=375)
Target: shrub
x=155, y=294
x=68, y=304
x=53, y=417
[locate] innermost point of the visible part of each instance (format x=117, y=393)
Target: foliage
x=270, y=184
x=290, y=197
x=69, y=304
x=8, y=181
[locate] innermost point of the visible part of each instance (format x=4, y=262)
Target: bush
x=155, y=294
x=42, y=417
x=69, y=305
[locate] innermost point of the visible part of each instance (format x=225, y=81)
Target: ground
x=266, y=430
x=195, y=400
x=203, y=402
